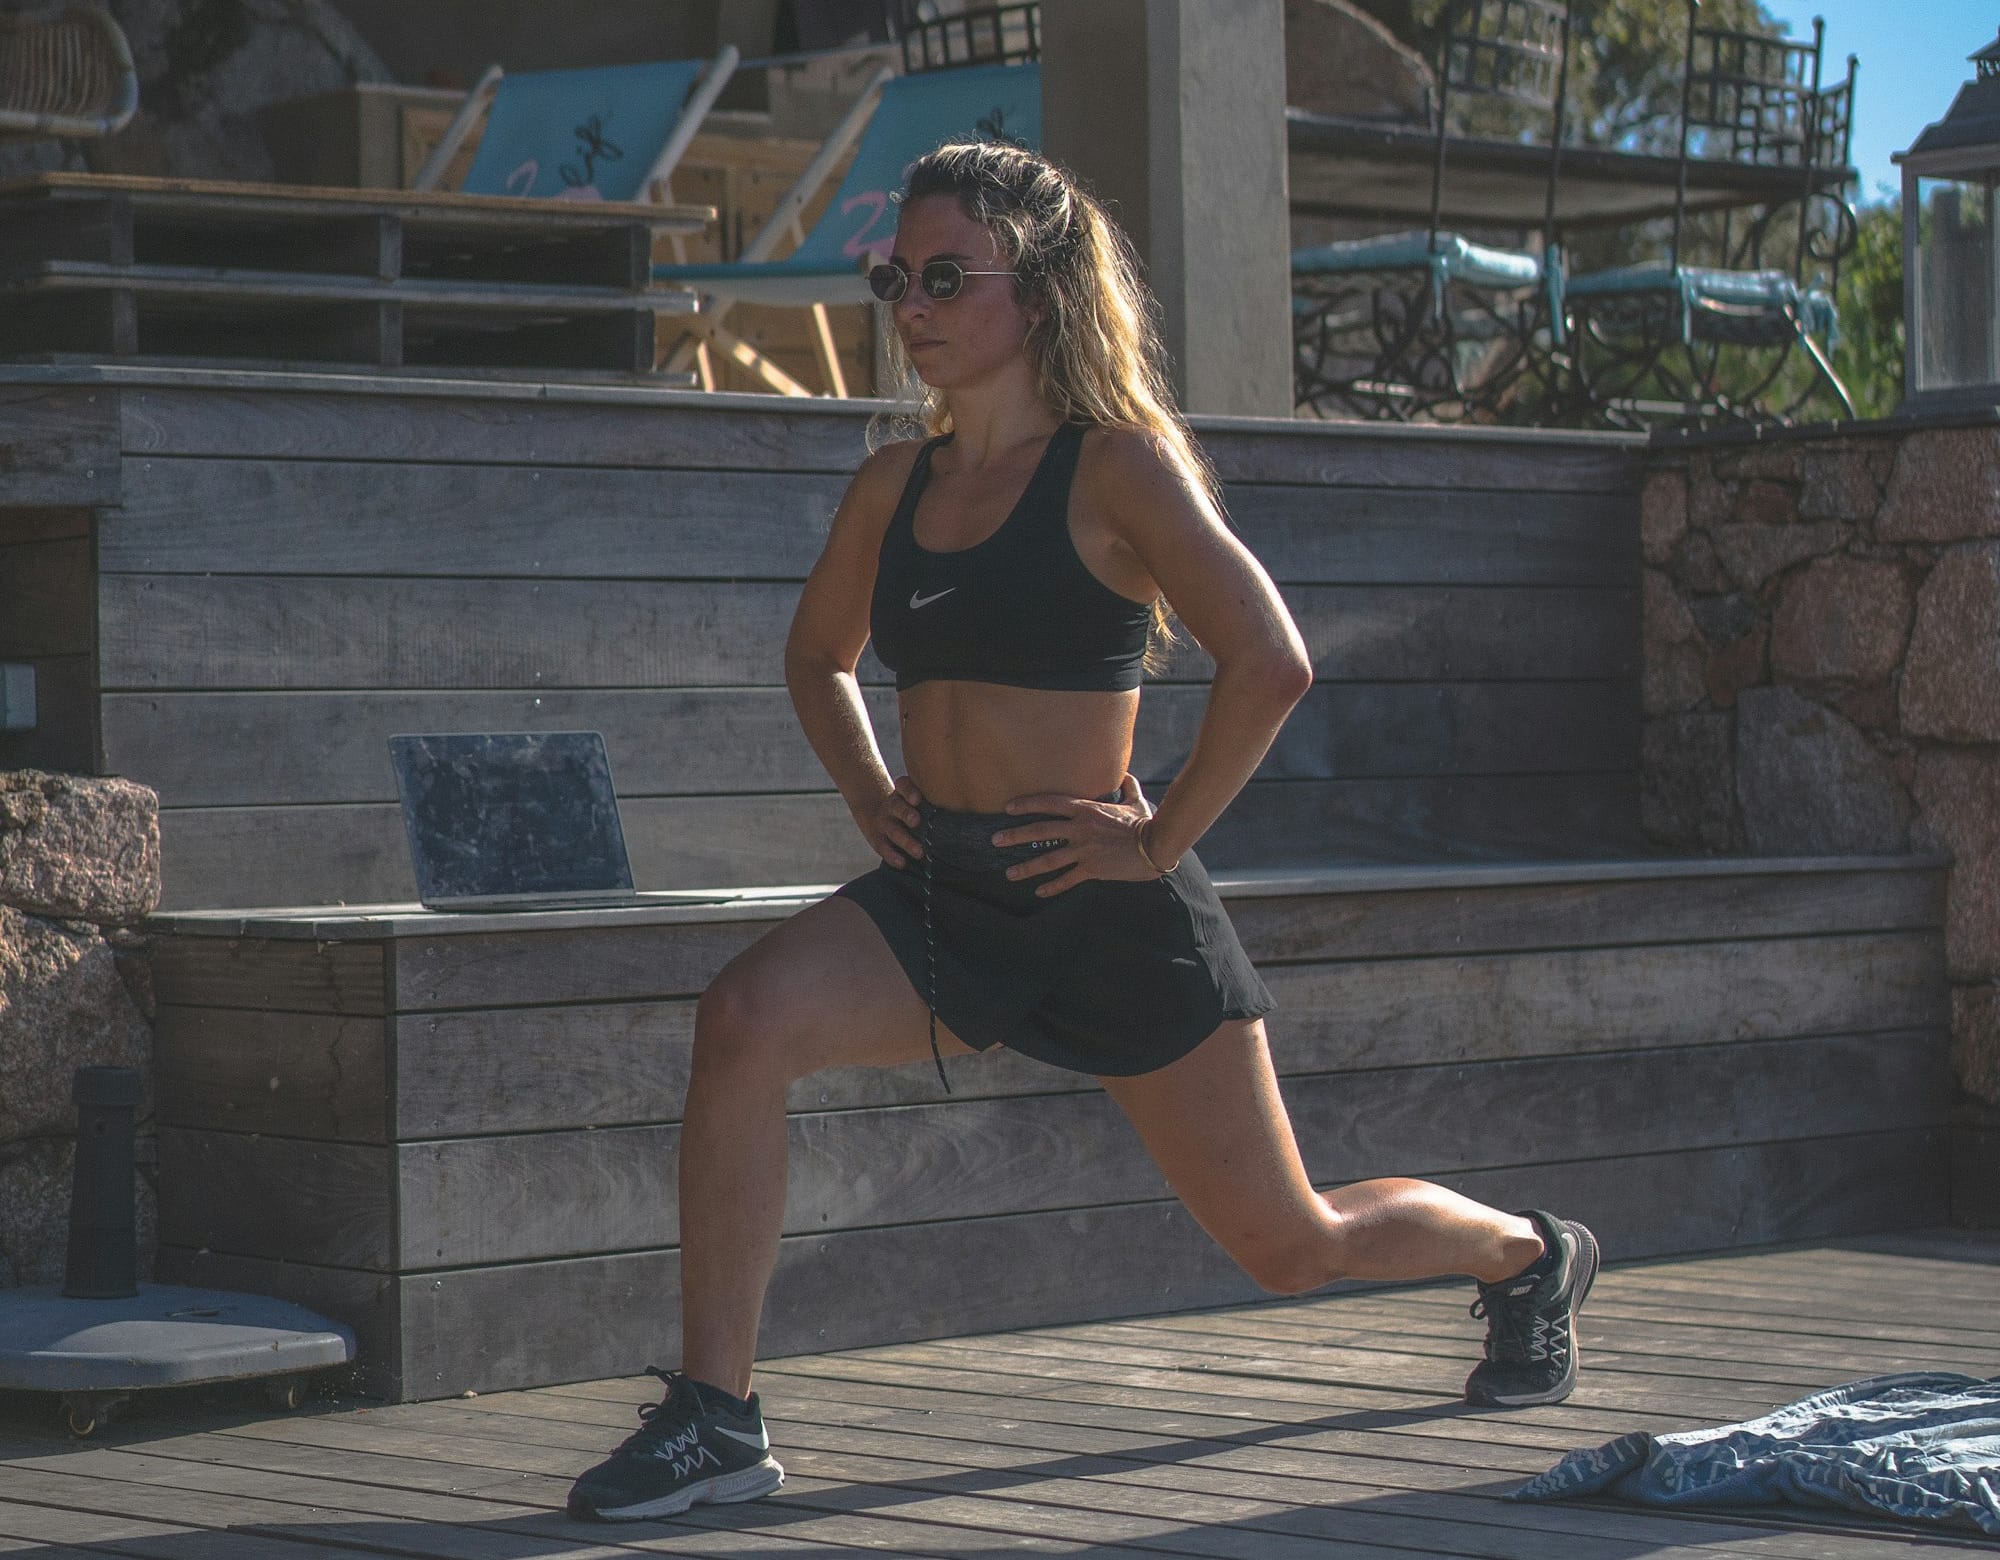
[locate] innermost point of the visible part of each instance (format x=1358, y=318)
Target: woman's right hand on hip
x=890, y=825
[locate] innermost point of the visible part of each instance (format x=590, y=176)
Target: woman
x=1010, y=571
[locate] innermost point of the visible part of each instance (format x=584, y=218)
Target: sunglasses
x=940, y=279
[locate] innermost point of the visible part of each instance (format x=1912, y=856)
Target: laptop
x=513, y=821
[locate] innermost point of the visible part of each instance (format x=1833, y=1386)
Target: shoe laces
x=1508, y=1309
x=655, y=1423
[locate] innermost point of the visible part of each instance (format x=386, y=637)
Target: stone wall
x=1822, y=665
x=79, y=868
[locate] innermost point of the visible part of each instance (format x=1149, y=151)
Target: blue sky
x=1912, y=62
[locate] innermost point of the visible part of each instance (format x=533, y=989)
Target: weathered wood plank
x=646, y=429
x=1503, y=917
x=485, y=1200
x=603, y=964
x=235, y=749
x=329, y=1204
x=1351, y=456
x=235, y=856
x=477, y=1201
x=184, y=516
x=308, y=1075
x=1412, y=1011
x=293, y=977
x=533, y=1069
x=58, y=445
x=186, y=632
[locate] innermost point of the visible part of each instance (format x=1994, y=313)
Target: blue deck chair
x=915, y=114
x=611, y=132
x=1406, y=324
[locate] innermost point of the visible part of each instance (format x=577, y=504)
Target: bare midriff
x=974, y=747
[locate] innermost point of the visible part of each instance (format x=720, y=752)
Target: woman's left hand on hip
x=1093, y=839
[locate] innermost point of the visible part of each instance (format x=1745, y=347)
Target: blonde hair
x=1092, y=341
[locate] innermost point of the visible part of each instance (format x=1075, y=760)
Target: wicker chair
x=65, y=70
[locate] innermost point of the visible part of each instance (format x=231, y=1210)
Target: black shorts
x=1111, y=979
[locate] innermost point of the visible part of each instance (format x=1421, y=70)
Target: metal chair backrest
x=1749, y=97
x=979, y=35
x=1516, y=50
x=65, y=70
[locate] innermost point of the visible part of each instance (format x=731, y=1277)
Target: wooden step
x=421, y=1123
x=172, y=271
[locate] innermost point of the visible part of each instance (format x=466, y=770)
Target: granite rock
x=34, y=1210
x=1695, y=566
x=1951, y=682
x=1839, y=485
x=1945, y=487
x=1752, y=554
x=1765, y=503
x=1778, y=462
x=1742, y=663
x=1809, y=783
x=1671, y=675
x=79, y=849
x=1709, y=500
x=1842, y=620
x=1958, y=801
x=1663, y=514
x=63, y=1005
x=1685, y=801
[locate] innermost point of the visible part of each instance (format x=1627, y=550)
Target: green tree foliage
x=1870, y=355
x=1625, y=61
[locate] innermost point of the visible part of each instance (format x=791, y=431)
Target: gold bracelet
x=1139, y=838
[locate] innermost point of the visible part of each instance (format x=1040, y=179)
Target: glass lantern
x=1951, y=265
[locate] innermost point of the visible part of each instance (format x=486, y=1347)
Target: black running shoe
x=691, y=1447
x=1531, y=1351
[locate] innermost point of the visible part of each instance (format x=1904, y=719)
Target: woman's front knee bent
x=741, y=1025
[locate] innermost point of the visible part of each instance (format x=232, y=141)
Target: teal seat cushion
x=1718, y=304
x=1451, y=258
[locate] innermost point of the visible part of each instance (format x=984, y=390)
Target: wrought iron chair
x=65, y=70
x=1431, y=323
x=978, y=35
x=1745, y=340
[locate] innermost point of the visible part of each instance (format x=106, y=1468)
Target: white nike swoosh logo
x=917, y=601
x=761, y=1441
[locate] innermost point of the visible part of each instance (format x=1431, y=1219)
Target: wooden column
x=1174, y=112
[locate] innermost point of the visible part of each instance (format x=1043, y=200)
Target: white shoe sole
x=745, y=1484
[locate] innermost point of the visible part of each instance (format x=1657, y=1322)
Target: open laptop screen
x=515, y=815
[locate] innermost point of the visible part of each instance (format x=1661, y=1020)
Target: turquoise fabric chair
x=916, y=114
x=601, y=133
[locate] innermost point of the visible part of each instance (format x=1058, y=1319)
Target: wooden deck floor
x=1326, y=1427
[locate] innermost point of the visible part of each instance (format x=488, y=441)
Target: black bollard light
x=103, y=1235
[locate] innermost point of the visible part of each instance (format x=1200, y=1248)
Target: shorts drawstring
x=930, y=943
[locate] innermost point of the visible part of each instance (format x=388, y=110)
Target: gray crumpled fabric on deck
x=1923, y=1445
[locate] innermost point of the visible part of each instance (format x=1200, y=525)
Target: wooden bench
x=459, y=1133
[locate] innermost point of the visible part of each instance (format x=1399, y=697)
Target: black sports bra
x=1019, y=608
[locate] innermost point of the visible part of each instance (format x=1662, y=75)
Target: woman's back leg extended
x=822, y=990
x=1216, y=1125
